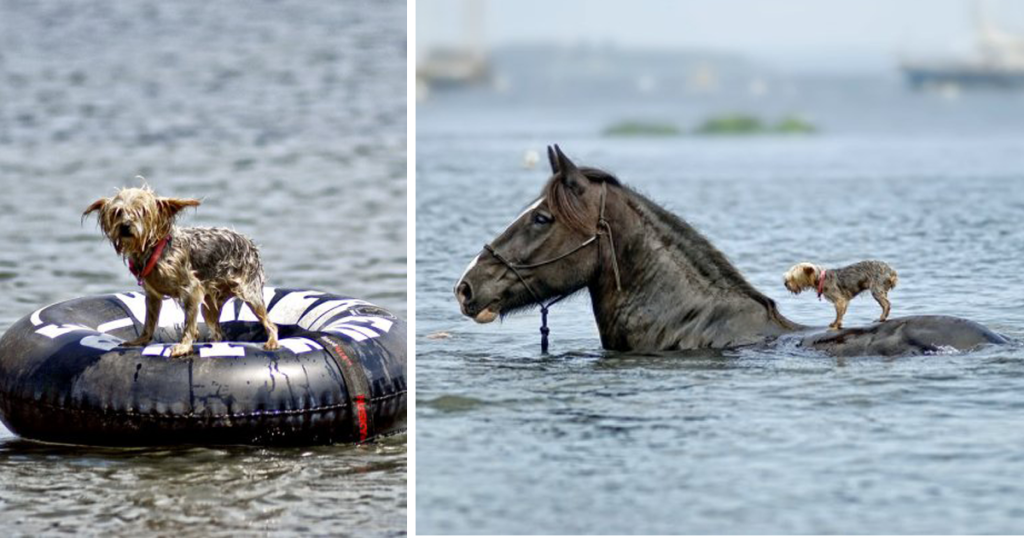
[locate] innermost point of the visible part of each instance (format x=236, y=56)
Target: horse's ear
x=564, y=164
x=553, y=159
x=571, y=176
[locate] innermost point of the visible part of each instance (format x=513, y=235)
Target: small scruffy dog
x=198, y=267
x=843, y=284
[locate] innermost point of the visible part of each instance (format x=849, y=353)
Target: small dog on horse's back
x=199, y=267
x=843, y=284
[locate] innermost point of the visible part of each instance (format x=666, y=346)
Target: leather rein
x=603, y=228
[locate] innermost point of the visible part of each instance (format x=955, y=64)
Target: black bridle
x=603, y=228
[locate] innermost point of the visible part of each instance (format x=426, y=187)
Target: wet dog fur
x=201, y=268
x=843, y=284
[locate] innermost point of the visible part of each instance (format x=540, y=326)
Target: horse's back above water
x=912, y=335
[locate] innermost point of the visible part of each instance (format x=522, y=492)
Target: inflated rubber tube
x=339, y=376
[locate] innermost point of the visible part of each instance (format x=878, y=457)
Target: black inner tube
x=65, y=377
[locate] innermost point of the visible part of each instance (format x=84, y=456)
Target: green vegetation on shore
x=730, y=124
x=795, y=124
x=641, y=128
x=722, y=125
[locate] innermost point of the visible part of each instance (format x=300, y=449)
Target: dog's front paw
x=271, y=345
x=181, y=350
x=140, y=341
x=835, y=326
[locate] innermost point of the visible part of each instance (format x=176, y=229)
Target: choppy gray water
x=586, y=441
x=289, y=120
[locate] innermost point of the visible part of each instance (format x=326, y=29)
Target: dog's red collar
x=821, y=283
x=153, y=258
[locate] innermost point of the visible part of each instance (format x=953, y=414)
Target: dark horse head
x=551, y=250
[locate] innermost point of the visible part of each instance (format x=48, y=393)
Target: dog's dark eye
x=541, y=218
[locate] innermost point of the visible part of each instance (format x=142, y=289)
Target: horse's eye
x=541, y=218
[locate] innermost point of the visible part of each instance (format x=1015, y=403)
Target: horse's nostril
x=464, y=292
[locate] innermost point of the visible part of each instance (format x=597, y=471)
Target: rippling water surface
x=289, y=120
x=587, y=441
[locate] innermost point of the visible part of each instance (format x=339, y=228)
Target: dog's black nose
x=125, y=230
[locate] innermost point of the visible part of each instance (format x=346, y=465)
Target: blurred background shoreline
x=733, y=67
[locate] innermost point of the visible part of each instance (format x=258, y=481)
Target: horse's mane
x=710, y=262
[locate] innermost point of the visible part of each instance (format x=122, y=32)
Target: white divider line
x=116, y=324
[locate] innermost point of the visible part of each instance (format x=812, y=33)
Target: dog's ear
x=808, y=270
x=171, y=206
x=96, y=206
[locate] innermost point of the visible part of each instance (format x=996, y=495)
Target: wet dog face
x=135, y=219
x=800, y=277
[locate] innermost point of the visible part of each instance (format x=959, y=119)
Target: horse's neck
x=674, y=295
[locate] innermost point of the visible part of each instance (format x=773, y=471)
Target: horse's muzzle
x=464, y=294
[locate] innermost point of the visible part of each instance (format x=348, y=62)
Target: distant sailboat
x=460, y=64
x=999, y=62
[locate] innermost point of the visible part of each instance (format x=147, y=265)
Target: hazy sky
x=798, y=34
